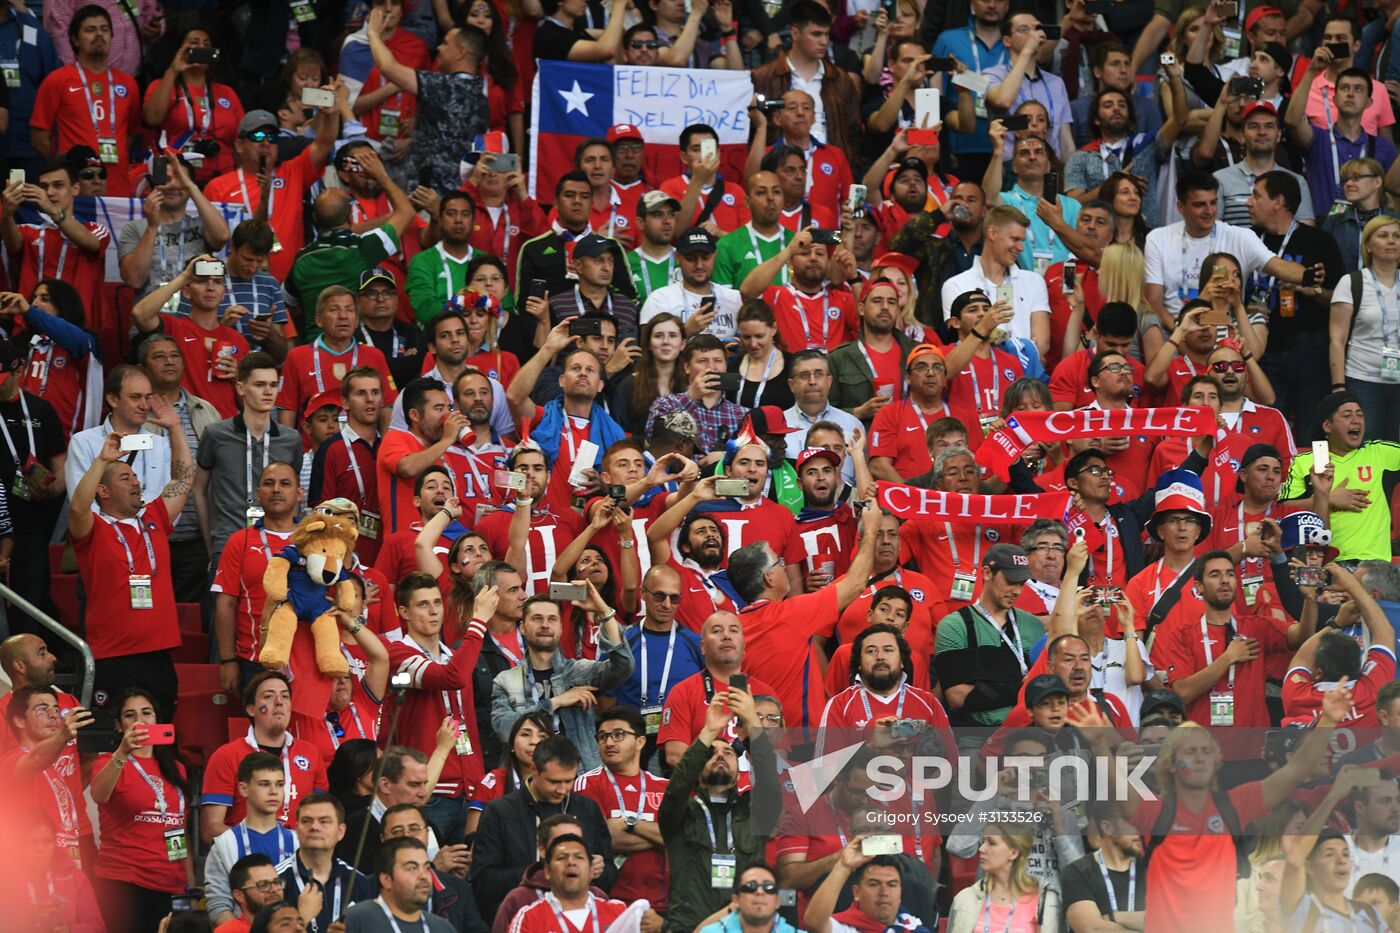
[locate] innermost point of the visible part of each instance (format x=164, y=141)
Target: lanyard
x=245, y=844
x=286, y=763
x=338, y=886
x=1210, y=655
x=62, y=251
x=953, y=545
x=641, y=793
x=758, y=253
x=158, y=788
x=354, y=714
x=995, y=401
x=187, y=99
x=247, y=202
x=559, y=914
x=899, y=707
x=1018, y=647
x=570, y=422
x=578, y=302
x=459, y=710
x=976, y=44
x=130, y=559
x=1185, y=243
x=987, y=913
x=520, y=646
x=767, y=371
x=349, y=437
x=92, y=105
x=806, y=325
x=865, y=352
x=728, y=828
x=28, y=430
x=393, y=333
x=320, y=345
x=665, y=670
x=393, y=921
x=266, y=452
x=1331, y=131
x=1380, y=300
x=1132, y=884
x=647, y=288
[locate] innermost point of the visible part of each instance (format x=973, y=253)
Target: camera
x=768, y=105
x=617, y=492
x=585, y=327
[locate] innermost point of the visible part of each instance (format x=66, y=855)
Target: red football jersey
x=643, y=874
x=290, y=181
x=550, y=532
x=302, y=766
x=240, y=575
x=100, y=110
x=114, y=627
x=822, y=321
x=1302, y=694
x=47, y=254
x=199, y=348
x=440, y=687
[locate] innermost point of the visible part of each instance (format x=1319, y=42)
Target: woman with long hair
x=1124, y=193
x=483, y=318
x=305, y=68
x=656, y=372
x=581, y=559
x=194, y=111
x=761, y=364
x=61, y=363
x=505, y=97
x=142, y=802
x=1365, y=339
x=517, y=760
x=888, y=33
x=1006, y=898
x=350, y=775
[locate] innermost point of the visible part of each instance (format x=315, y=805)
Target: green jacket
x=336, y=257
x=852, y=382
x=687, y=836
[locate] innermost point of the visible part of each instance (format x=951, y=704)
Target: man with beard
x=321, y=365
x=1245, y=422
x=702, y=304
x=867, y=373
x=810, y=312
x=704, y=793
x=1260, y=474
x=567, y=868
x=722, y=649
x=378, y=306
x=403, y=455
x=940, y=258
x=876, y=892
x=551, y=527
x=795, y=212
x=548, y=257
x=1219, y=676
x=653, y=262
x=899, y=440
x=882, y=690
x=254, y=884
x=476, y=457
x=907, y=185
x=699, y=554
x=549, y=682
x=740, y=251
x=924, y=610
x=1262, y=135
x=27, y=662
x=447, y=339
x=826, y=529
x=1107, y=888
x=405, y=888
x=435, y=275
x=1111, y=149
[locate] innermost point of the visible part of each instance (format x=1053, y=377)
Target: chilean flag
x=571, y=101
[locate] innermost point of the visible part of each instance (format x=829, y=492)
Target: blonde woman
x=1006, y=897
x=898, y=270
x=1365, y=340
x=1121, y=275
x=1363, y=187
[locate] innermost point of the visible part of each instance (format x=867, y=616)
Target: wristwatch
x=60, y=217
x=627, y=545
x=631, y=820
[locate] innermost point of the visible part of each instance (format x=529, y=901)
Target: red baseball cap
x=901, y=261
x=1261, y=106
x=768, y=419
x=623, y=131
x=1255, y=15
x=323, y=400
x=812, y=453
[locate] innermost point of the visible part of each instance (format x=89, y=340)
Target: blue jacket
x=37, y=58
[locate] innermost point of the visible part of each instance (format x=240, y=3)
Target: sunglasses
x=662, y=597
x=92, y=174
x=644, y=44
x=753, y=887
x=261, y=136
x=1227, y=366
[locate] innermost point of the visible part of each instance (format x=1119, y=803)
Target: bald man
x=761, y=238
x=665, y=651
x=27, y=661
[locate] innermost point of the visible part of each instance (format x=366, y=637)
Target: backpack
x=1167, y=815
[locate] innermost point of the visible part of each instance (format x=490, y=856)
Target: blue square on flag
x=575, y=98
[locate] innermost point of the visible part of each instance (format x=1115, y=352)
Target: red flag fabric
x=1002, y=447
x=910, y=502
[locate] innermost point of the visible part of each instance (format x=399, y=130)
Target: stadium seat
x=200, y=726
x=961, y=872
x=198, y=678
x=191, y=619
x=194, y=648
x=237, y=729
x=56, y=557
x=63, y=589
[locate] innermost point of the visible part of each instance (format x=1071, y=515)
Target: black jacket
x=490, y=663
x=544, y=258
x=455, y=904
x=505, y=844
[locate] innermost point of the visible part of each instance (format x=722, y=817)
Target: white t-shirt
x=1168, y=246
x=1370, y=331
x=1111, y=675
x=1384, y=861
x=676, y=300
x=1029, y=296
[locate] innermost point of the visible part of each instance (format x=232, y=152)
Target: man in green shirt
x=436, y=274
x=339, y=255
x=653, y=262
x=1351, y=492
x=980, y=686
x=762, y=238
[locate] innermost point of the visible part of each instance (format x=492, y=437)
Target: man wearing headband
x=868, y=373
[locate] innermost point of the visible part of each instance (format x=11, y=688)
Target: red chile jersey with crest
x=311, y=369
x=822, y=321
x=1302, y=693
x=1130, y=466
x=1069, y=383
x=643, y=874
x=302, y=767
x=981, y=386
x=550, y=532
x=731, y=214
x=1252, y=424
x=541, y=917
x=947, y=550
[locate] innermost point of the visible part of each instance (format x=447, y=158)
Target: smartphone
x=739, y=681
x=908, y=728
x=1316, y=577
x=17, y=176
x=1108, y=595
x=538, y=288
x=1245, y=86
x=509, y=479
x=731, y=488
x=940, y=64
x=1067, y=283
x=209, y=267
x=1339, y=50
x=204, y=55
x=855, y=198
x=1016, y=122
x=1006, y=295
x=628, y=332
x=316, y=97
x=586, y=327
x=730, y=382
x=826, y=237
x=881, y=845
x=160, y=171
x=160, y=733
x=1051, y=32
x=1214, y=318
x=706, y=306
x=927, y=108
x=1321, y=456
x=1167, y=58
x=560, y=592
x=1052, y=187
x=142, y=441
x=504, y=162
x=1229, y=9
x=617, y=492
x=709, y=149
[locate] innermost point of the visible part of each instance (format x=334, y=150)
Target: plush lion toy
x=318, y=552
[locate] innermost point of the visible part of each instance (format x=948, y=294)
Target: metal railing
x=64, y=633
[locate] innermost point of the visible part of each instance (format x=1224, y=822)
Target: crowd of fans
x=637, y=610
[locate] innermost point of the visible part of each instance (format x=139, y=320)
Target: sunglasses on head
x=753, y=887
x=1225, y=366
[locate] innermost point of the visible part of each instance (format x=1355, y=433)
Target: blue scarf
x=602, y=430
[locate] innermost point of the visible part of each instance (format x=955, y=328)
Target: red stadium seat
x=56, y=557
x=200, y=726
x=191, y=620
x=63, y=588
x=237, y=729
x=199, y=678
x=961, y=872
x=194, y=648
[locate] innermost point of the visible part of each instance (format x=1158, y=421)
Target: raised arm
x=80, y=514
x=401, y=212
x=146, y=313
x=425, y=542
x=393, y=71
x=605, y=47
x=1296, y=116
x=181, y=461
x=518, y=393
x=766, y=272
x=854, y=582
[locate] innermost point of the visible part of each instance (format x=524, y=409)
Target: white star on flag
x=577, y=99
